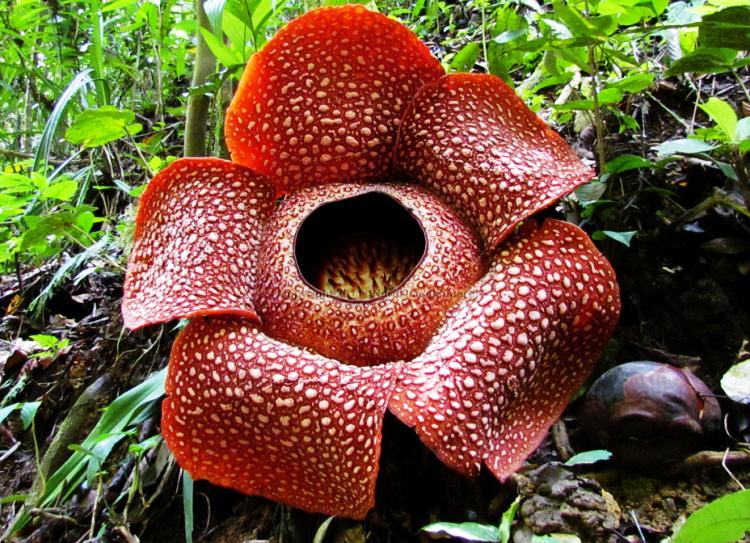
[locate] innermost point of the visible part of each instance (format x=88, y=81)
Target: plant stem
x=198, y=104
x=97, y=52
x=743, y=184
x=598, y=121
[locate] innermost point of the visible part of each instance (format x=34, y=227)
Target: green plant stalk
x=743, y=184
x=97, y=51
x=198, y=104
x=598, y=121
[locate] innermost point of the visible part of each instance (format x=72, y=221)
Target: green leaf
x=41, y=156
x=728, y=28
x=723, y=115
x=28, y=412
x=622, y=237
x=722, y=521
x=736, y=382
x=96, y=127
x=62, y=190
x=467, y=531
x=704, y=60
x=685, y=146
x=214, y=11
x=624, y=163
x=611, y=95
x=743, y=129
x=590, y=193
x=320, y=533
x=466, y=58
x=7, y=410
x=633, y=83
x=507, y=520
x=575, y=21
x=221, y=51
x=556, y=538
x=589, y=457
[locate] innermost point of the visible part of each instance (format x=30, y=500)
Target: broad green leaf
x=736, y=382
x=722, y=521
x=684, y=146
x=223, y=53
x=28, y=412
x=723, y=115
x=466, y=58
x=589, y=457
x=41, y=230
x=728, y=28
x=45, y=340
x=590, y=193
x=624, y=163
x=510, y=35
x=575, y=21
x=704, y=60
x=622, y=237
x=467, y=531
x=610, y=96
x=96, y=127
x=62, y=190
x=633, y=83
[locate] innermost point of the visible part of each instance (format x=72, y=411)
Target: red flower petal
x=250, y=413
x=470, y=137
x=322, y=101
x=394, y=326
x=509, y=356
x=196, y=242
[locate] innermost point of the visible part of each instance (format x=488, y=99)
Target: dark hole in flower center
x=359, y=248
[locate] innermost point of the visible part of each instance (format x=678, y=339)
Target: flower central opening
x=359, y=248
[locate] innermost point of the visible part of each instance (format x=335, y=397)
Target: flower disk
x=469, y=137
x=393, y=326
x=321, y=102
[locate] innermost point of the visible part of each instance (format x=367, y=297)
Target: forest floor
x=686, y=301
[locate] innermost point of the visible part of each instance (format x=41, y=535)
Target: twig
x=719, y=197
x=710, y=459
x=729, y=472
x=562, y=441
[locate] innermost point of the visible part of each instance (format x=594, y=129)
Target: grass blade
x=41, y=157
x=187, y=505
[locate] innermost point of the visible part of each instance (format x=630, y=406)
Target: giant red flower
x=393, y=275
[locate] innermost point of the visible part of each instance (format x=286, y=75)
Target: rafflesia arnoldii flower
x=393, y=275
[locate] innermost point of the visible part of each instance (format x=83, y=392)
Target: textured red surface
x=513, y=352
x=394, y=327
x=321, y=102
x=196, y=242
x=487, y=369
x=469, y=137
x=250, y=413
